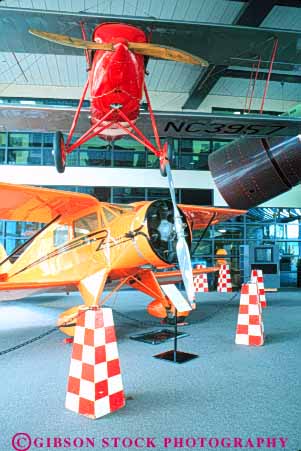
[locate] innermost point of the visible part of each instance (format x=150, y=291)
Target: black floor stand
x=174, y=355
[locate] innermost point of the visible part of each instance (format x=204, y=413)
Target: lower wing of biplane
x=196, y=125
x=88, y=246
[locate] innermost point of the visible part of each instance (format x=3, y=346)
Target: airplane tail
x=4, y=267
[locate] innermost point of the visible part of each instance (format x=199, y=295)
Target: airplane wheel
x=169, y=156
x=67, y=320
x=59, y=152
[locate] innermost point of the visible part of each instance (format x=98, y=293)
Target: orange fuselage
x=120, y=240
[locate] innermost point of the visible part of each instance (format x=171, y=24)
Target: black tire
x=169, y=157
x=58, y=152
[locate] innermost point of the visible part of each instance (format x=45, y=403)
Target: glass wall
x=36, y=149
x=243, y=230
x=126, y=195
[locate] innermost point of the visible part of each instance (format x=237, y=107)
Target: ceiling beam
x=252, y=15
x=289, y=3
x=254, y=12
x=203, y=85
x=280, y=78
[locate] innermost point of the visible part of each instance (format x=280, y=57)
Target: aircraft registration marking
x=223, y=129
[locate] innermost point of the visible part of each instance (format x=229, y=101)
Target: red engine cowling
x=117, y=77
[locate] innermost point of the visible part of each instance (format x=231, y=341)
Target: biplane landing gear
x=59, y=153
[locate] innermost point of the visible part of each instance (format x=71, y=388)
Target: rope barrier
x=138, y=322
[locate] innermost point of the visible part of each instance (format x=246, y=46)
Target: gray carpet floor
x=229, y=391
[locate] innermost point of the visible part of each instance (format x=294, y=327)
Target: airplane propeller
x=142, y=48
x=182, y=249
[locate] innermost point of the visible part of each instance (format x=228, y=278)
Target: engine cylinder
x=250, y=171
x=161, y=230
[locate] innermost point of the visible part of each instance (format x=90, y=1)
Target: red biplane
x=116, y=59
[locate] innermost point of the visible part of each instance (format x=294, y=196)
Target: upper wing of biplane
x=170, y=124
x=202, y=217
x=32, y=204
x=219, y=44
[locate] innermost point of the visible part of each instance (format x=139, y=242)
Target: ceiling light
x=28, y=102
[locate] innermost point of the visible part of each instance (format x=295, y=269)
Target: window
x=117, y=211
x=12, y=244
x=72, y=158
x=219, y=144
x=48, y=140
x=194, y=154
x=25, y=139
x=109, y=216
x=157, y=193
x=20, y=156
x=197, y=196
x=102, y=193
x=18, y=140
x=85, y=225
x=2, y=139
x=99, y=157
x=152, y=161
x=94, y=143
x=194, y=146
x=129, y=153
x=128, y=195
x=263, y=254
x=60, y=235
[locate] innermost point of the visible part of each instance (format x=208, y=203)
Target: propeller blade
x=181, y=247
x=143, y=48
x=183, y=255
x=71, y=42
x=166, y=53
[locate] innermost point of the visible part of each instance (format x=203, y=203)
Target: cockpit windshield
x=85, y=225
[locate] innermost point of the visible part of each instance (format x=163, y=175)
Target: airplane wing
x=218, y=43
x=12, y=291
x=170, y=124
x=34, y=204
x=201, y=217
x=175, y=276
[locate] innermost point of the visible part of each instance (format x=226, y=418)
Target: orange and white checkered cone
x=201, y=281
x=95, y=385
x=224, y=284
x=249, y=330
x=257, y=277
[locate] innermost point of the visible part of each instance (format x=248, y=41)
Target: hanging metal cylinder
x=250, y=171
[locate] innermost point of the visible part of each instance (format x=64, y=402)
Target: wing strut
x=204, y=231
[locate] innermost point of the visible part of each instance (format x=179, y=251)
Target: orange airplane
x=90, y=246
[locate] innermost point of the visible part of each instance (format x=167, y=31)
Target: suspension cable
x=274, y=51
x=254, y=83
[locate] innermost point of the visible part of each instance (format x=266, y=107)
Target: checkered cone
x=201, y=281
x=249, y=325
x=224, y=284
x=95, y=385
x=257, y=277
